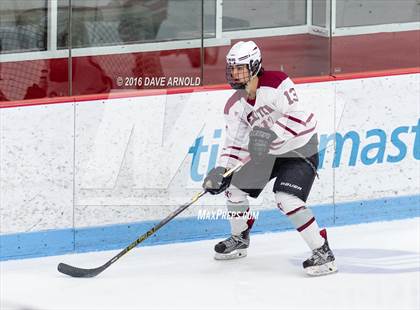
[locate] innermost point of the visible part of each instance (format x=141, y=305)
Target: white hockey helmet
x=243, y=53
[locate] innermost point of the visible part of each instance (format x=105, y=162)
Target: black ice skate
x=322, y=261
x=233, y=247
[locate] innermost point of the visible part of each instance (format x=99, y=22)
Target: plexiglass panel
x=364, y=13
x=117, y=45
x=23, y=26
x=29, y=65
x=367, y=37
x=251, y=14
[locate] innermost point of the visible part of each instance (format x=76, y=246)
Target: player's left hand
x=260, y=140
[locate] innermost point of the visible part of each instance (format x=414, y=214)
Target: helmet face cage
x=237, y=75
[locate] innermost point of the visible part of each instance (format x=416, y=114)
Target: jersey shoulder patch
x=237, y=95
x=272, y=79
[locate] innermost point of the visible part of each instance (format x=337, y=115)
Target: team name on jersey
x=258, y=113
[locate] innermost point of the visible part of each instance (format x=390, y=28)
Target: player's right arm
x=234, y=148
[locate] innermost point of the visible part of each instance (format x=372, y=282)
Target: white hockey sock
x=310, y=230
x=301, y=217
x=238, y=217
x=238, y=206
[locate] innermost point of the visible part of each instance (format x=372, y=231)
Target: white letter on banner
x=152, y=134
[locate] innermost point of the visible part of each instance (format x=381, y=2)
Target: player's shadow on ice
x=373, y=261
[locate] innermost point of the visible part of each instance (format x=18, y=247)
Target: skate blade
x=232, y=255
x=316, y=271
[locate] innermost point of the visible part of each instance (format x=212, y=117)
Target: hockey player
x=266, y=122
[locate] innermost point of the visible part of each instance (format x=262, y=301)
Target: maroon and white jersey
x=278, y=107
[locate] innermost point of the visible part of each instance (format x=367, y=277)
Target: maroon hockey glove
x=214, y=182
x=260, y=140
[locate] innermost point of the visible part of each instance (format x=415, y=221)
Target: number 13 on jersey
x=291, y=96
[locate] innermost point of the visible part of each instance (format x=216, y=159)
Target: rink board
x=94, y=174
x=54, y=242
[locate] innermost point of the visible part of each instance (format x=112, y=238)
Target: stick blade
x=79, y=272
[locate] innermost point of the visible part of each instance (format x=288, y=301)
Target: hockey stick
x=89, y=273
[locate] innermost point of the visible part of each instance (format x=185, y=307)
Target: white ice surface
x=379, y=268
